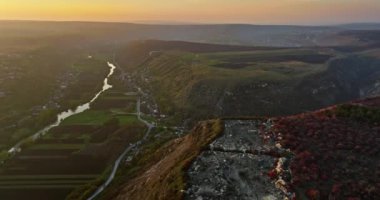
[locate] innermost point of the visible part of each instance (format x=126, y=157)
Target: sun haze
x=197, y=11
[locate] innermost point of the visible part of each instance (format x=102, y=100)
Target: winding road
x=129, y=148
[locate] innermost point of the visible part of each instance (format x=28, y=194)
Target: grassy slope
x=193, y=83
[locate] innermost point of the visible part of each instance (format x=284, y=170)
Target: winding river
x=65, y=114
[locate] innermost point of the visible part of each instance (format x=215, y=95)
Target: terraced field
x=75, y=155
x=40, y=186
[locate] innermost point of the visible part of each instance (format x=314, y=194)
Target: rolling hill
x=193, y=81
x=294, y=156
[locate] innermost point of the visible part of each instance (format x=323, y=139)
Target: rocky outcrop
x=237, y=165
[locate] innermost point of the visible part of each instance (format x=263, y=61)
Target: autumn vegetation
x=336, y=151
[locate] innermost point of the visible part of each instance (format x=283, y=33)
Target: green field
x=57, y=146
x=39, y=186
x=88, y=118
x=99, y=118
x=127, y=119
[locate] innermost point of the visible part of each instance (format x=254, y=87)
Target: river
x=65, y=114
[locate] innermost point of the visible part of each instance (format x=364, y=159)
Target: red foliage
x=312, y=194
x=324, y=146
x=353, y=198
x=272, y=174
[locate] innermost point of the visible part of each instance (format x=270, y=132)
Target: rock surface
x=234, y=166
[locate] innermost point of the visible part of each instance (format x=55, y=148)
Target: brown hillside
x=165, y=179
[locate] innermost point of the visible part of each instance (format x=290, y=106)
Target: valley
x=141, y=109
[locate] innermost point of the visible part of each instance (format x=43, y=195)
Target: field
x=76, y=154
x=99, y=118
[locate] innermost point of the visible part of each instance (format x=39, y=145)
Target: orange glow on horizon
x=204, y=11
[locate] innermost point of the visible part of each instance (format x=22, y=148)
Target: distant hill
x=237, y=34
x=197, y=81
x=118, y=33
x=361, y=26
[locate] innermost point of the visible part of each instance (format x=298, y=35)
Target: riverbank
x=64, y=115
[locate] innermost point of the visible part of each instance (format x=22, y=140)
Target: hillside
x=294, y=157
x=161, y=170
x=335, y=150
x=192, y=81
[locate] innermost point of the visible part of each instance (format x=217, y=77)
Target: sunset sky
x=196, y=11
